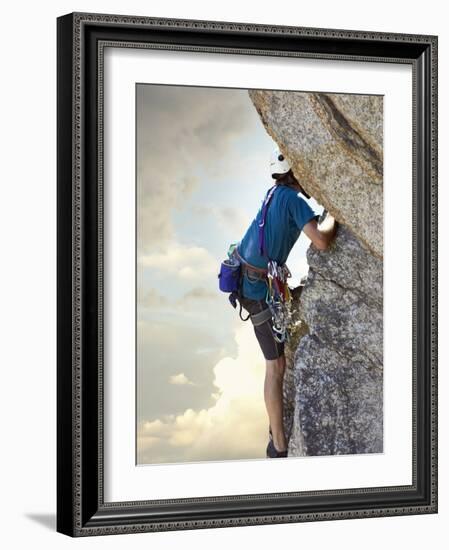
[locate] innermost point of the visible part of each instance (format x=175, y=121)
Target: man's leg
x=274, y=377
x=274, y=374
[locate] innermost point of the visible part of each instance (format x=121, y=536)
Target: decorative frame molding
x=81, y=510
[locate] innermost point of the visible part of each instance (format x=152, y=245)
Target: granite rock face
x=333, y=387
x=291, y=426
x=337, y=373
x=334, y=143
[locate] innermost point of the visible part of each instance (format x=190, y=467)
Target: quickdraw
x=278, y=299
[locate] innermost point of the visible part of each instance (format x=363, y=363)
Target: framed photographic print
x=247, y=274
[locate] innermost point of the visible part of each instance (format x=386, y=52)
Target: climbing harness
x=278, y=296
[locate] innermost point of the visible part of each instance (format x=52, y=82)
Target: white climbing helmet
x=278, y=163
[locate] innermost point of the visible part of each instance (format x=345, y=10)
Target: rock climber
x=278, y=225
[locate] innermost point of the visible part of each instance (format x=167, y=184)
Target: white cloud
x=181, y=132
x=195, y=300
x=235, y=427
x=234, y=220
x=180, y=380
x=192, y=263
x=167, y=345
x=198, y=293
x=151, y=299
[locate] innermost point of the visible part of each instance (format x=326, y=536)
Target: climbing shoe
x=272, y=452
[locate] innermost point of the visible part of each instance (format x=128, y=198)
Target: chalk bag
x=229, y=276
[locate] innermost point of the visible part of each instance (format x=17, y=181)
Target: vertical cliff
x=333, y=389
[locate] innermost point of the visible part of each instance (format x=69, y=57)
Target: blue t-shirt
x=287, y=214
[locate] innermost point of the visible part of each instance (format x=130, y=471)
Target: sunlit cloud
x=180, y=380
x=169, y=345
x=234, y=427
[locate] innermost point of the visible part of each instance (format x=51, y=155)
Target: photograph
x=259, y=273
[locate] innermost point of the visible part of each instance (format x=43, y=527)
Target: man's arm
x=321, y=235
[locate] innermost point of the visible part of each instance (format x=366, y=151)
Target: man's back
x=287, y=214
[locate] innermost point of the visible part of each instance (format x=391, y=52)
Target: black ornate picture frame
x=81, y=509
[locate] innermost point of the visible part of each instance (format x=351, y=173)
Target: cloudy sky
x=202, y=172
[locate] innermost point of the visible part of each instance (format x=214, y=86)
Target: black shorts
x=271, y=349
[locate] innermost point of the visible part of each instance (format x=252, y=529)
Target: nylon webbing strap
x=252, y=270
x=254, y=273
x=263, y=218
x=262, y=317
